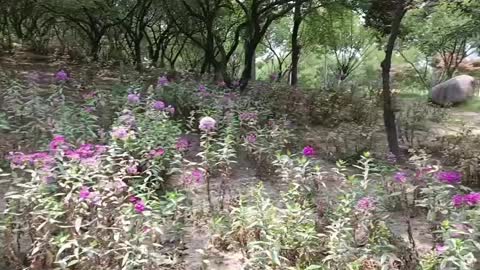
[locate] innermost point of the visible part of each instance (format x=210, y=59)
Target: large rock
x=454, y=91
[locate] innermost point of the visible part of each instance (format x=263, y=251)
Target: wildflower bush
x=119, y=191
x=98, y=206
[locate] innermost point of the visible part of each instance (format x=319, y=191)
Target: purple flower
x=401, y=177
x=61, y=76
x=133, y=98
x=248, y=116
x=273, y=77
x=134, y=199
x=458, y=200
x=120, y=133
x=441, y=249
x=472, y=199
x=207, y=124
x=84, y=193
x=251, y=138
x=162, y=81
x=156, y=153
x=140, y=207
x=94, y=198
x=308, y=151
x=450, y=177
x=202, y=88
x=182, y=144
x=57, y=142
x=158, y=105
x=365, y=204
x=195, y=176
x=132, y=169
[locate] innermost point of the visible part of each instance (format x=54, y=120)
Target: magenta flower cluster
x=251, y=138
x=182, y=145
x=162, y=81
x=308, y=151
x=471, y=199
x=86, y=151
x=195, y=176
x=365, y=204
x=138, y=204
x=158, y=105
x=58, y=143
x=86, y=194
x=155, y=153
x=61, y=76
x=39, y=160
x=133, y=98
x=450, y=177
x=401, y=177
x=248, y=116
x=207, y=124
x=120, y=133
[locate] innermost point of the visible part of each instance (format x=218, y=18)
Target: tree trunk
x=249, y=64
x=138, y=55
x=297, y=20
x=388, y=113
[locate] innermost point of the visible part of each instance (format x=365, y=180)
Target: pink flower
x=132, y=169
x=458, y=200
x=195, y=176
x=156, y=153
x=61, y=76
x=133, y=98
x=308, y=151
x=472, y=199
x=120, y=133
x=182, y=145
x=84, y=193
x=248, y=116
x=94, y=198
x=222, y=84
x=365, y=204
x=134, y=199
x=441, y=249
x=251, y=138
x=57, y=142
x=162, y=81
x=401, y=177
x=158, y=105
x=207, y=124
x=450, y=177
x=140, y=207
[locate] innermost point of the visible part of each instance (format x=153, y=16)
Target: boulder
x=454, y=91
